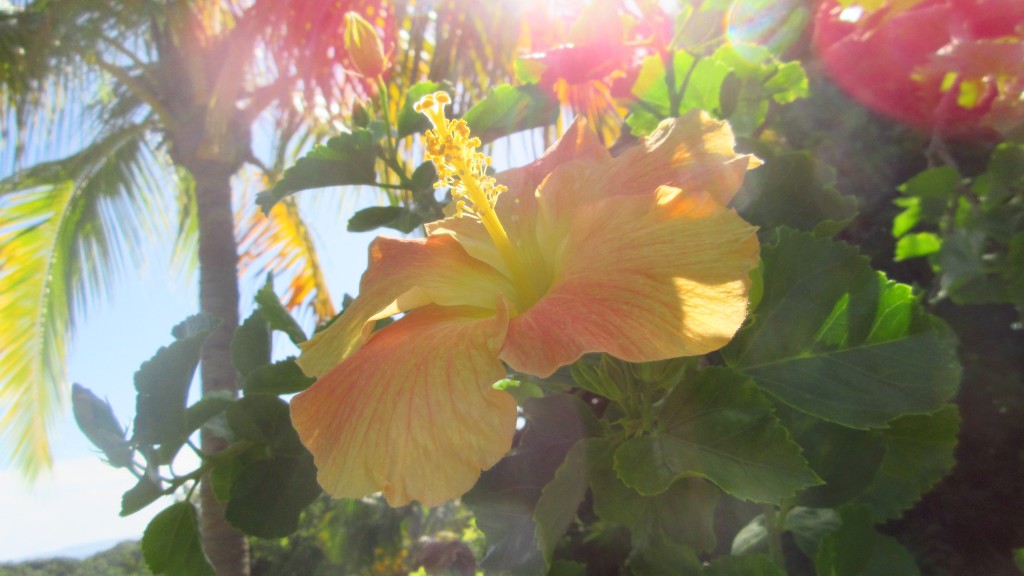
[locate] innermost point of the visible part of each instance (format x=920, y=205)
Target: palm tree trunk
x=226, y=547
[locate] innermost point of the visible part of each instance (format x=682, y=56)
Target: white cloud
x=76, y=504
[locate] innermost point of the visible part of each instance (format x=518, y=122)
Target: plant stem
x=772, y=525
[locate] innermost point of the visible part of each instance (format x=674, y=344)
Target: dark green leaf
x=1005, y=175
x=564, y=568
x=144, y=493
x=342, y=160
x=95, y=418
x=846, y=551
x=203, y=411
x=263, y=419
x=807, y=525
x=846, y=459
x=750, y=565
x=663, y=557
x=162, y=384
x=965, y=270
x=396, y=217
x=267, y=496
x=505, y=497
x=410, y=121
x=250, y=346
x=194, y=325
x=857, y=550
x=284, y=377
x=275, y=314
x=720, y=427
x=556, y=508
x=833, y=338
x=171, y=545
x=797, y=191
x=510, y=109
x=919, y=453
x=683, y=515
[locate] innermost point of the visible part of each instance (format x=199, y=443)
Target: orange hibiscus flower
x=636, y=256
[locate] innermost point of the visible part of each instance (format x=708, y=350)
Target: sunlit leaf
x=510, y=109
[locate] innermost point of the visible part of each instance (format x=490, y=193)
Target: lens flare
x=774, y=24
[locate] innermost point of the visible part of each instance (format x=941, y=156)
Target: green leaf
x=1005, y=175
x=275, y=314
x=509, y=109
x=263, y=419
x=410, y=121
x=807, y=525
x=144, y=493
x=556, y=508
x=797, y=191
x=720, y=427
x=857, y=550
x=833, y=338
x=505, y=498
x=925, y=197
x=171, y=545
x=917, y=245
x=162, y=384
x=284, y=377
x=965, y=269
x=206, y=409
x=250, y=346
x=664, y=557
x=749, y=565
x=691, y=83
x=396, y=217
x=343, y=160
x=919, y=453
x=268, y=496
x=846, y=459
x=95, y=418
x=682, y=515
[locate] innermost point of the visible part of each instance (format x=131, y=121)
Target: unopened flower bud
x=364, y=46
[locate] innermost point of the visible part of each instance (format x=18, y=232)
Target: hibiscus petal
x=694, y=152
x=403, y=275
x=642, y=278
x=413, y=412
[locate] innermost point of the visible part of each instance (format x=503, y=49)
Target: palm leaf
x=67, y=228
x=281, y=243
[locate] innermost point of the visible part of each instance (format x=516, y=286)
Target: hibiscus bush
x=733, y=321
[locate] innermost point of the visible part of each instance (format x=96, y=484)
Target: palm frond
x=67, y=229
x=281, y=243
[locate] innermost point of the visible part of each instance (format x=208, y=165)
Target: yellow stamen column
x=464, y=170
